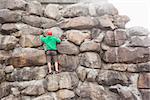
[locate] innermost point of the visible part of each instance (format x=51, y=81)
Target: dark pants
x=51, y=55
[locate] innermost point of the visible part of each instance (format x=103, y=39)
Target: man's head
x=49, y=33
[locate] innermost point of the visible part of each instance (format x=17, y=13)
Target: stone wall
x=99, y=58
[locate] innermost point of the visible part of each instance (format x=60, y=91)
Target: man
x=51, y=49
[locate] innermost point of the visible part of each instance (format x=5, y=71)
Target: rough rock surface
x=78, y=23
x=107, y=8
x=35, y=8
x=75, y=11
x=116, y=38
x=4, y=56
x=65, y=80
x=76, y=36
x=67, y=48
x=30, y=41
x=99, y=58
x=27, y=73
x=7, y=42
x=90, y=46
x=52, y=11
x=68, y=63
x=112, y=78
x=138, y=31
x=90, y=59
x=9, y=16
x=5, y=89
x=27, y=57
x=137, y=41
x=126, y=55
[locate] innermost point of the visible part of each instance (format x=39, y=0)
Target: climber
x=51, y=49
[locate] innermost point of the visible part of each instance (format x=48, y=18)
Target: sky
x=137, y=10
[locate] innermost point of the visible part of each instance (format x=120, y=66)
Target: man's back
x=50, y=42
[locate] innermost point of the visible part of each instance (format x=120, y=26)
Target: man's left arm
x=58, y=40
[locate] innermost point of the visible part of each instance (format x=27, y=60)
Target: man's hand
x=40, y=33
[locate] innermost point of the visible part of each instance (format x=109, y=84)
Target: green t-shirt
x=50, y=42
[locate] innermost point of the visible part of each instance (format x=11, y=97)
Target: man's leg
x=56, y=66
x=49, y=67
x=49, y=61
x=56, y=61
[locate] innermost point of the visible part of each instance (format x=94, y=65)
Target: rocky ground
x=100, y=59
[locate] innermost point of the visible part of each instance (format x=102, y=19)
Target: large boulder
x=9, y=16
x=2, y=75
x=106, y=8
x=92, y=74
x=31, y=88
x=9, y=69
x=52, y=11
x=34, y=90
x=143, y=81
x=138, y=31
x=76, y=36
x=28, y=88
x=27, y=74
x=141, y=67
x=126, y=55
x=53, y=82
x=2, y=4
x=37, y=21
x=90, y=60
x=64, y=80
x=16, y=4
x=119, y=67
x=65, y=94
x=68, y=80
x=87, y=74
x=82, y=72
x=120, y=20
x=44, y=97
x=11, y=97
x=66, y=47
x=140, y=41
x=35, y=8
x=7, y=42
x=9, y=28
x=27, y=57
x=68, y=63
x=116, y=38
x=25, y=29
x=30, y=41
x=145, y=93
x=75, y=10
x=4, y=56
x=126, y=93
x=110, y=78
x=90, y=46
x=95, y=32
x=78, y=23
x=24, y=84
x=106, y=22
x=13, y=4
x=90, y=91
x=4, y=89
x=47, y=23
x=32, y=20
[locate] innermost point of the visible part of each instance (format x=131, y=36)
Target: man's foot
x=58, y=72
x=50, y=72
